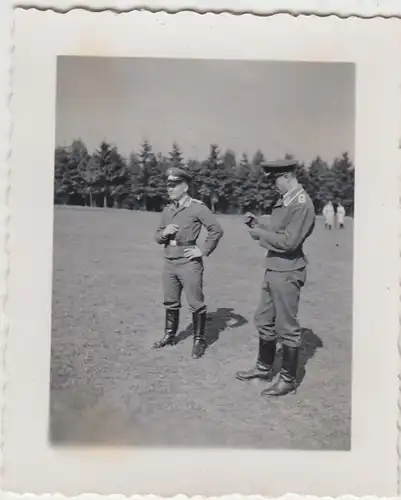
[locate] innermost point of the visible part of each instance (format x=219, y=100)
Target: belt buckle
x=173, y=243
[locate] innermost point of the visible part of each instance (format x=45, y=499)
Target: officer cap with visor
x=279, y=167
x=177, y=175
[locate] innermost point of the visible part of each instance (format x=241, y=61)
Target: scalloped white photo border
x=342, y=8
x=29, y=464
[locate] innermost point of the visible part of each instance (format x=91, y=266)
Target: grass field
x=109, y=387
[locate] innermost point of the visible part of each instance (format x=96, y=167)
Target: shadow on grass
x=222, y=319
x=310, y=344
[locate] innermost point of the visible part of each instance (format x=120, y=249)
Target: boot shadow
x=310, y=344
x=217, y=322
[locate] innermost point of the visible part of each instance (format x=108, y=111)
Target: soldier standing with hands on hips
x=291, y=222
x=179, y=229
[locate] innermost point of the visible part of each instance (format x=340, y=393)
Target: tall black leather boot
x=199, y=325
x=170, y=329
x=287, y=381
x=264, y=365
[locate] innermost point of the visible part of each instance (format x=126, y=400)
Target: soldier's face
x=176, y=189
x=281, y=183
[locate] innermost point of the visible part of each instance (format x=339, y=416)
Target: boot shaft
x=171, y=321
x=264, y=364
x=287, y=382
x=267, y=352
x=290, y=363
x=172, y=317
x=199, y=324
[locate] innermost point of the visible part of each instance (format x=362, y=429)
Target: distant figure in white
x=328, y=214
x=340, y=216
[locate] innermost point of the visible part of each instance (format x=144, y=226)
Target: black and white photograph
x=203, y=253
x=203, y=242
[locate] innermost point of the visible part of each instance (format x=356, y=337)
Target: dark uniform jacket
x=190, y=217
x=291, y=222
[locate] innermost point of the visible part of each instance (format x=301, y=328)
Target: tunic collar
x=184, y=202
x=290, y=196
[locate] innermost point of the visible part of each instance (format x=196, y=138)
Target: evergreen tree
x=70, y=164
x=105, y=178
x=131, y=195
x=343, y=181
x=144, y=158
x=319, y=183
x=175, y=157
x=109, y=174
x=152, y=179
x=61, y=183
x=216, y=182
x=245, y=190
x=228, y=201
x=194, y=167
x=229, y=160
x=208, y=188
x=78, y=161
x=156, y=188
x=91, y=175
x=257, y=160
x=265, y=195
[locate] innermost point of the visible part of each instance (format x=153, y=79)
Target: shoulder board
x=197, y=201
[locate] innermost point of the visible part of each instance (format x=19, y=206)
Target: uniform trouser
x=187, y=275
x=277, y=312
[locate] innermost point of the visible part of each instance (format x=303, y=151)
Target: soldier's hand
x=170, y=229
x=250, y=219
x=193, y=253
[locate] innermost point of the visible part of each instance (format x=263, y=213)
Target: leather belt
x=176, y=243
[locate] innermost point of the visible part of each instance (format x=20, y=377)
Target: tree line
x=226, y=184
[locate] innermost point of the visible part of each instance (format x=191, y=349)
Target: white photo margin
x=30, y=464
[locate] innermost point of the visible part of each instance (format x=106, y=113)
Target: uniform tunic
x=292, y=221
x=181, y=273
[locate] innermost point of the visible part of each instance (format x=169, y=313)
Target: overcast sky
x=301, y=108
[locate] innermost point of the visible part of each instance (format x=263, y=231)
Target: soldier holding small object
x=291, y=222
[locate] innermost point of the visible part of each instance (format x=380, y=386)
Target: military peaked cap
x=279, y=166
x=178, y=174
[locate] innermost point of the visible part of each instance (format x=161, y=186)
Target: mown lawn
x=109, y=387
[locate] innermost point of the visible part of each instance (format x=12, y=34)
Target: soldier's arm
x=214, y=230
x=159, y=231
x=263, y=223
x=290, y=238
